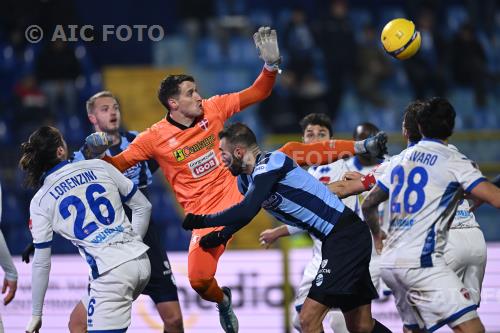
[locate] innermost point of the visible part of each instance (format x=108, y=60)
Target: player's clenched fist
x=266, y=41
x=192, y=221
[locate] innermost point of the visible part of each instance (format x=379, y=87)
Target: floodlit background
x=333, y=63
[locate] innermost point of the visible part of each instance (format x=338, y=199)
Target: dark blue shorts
x=161, y=286
x=343, y=279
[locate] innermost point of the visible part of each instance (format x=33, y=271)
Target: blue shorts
x=161, y=286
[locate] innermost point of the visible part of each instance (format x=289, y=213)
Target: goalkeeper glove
x=266, y=41
x=96, y=144
x=192, y=221
x=27, y=252
x=374, y=146
x=214, y=239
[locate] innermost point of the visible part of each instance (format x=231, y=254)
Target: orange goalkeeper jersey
x=189, y=156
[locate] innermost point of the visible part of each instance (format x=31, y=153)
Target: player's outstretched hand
x=12, y=286
x=27, y=252
x=213, y=239
x=352, y=175
x=192, y=221
x=376, y=145
x=266, y=41
x=34, y=325
x=96, y=144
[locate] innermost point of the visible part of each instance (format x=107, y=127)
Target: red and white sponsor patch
x=30, y=224
x=204, y=164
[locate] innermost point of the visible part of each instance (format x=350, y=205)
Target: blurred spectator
x=336, y=39
x=31, y=106
x=373, y=67
x=426, y=70
x=195, y=15
x=468, y=62
x=482, y=14
x=57, y=69
x=299, y=42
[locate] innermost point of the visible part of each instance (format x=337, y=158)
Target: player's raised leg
x=202, y=265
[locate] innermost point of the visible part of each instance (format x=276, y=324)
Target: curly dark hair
x=39, y=154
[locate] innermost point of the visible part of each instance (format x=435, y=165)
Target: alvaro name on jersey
x=82, y=201
x=426, y=183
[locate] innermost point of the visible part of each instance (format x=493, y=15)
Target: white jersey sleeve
x=40, y=224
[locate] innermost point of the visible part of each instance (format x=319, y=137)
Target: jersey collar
x=53, y=169
x=434, y=140
x=411, y=144
x=179, y=125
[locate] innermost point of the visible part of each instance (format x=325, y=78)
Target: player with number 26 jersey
x=82, y=202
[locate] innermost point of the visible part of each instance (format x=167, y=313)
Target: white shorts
x=375, y=269
x=109, y=303
x=429, y=297
x=465, y=253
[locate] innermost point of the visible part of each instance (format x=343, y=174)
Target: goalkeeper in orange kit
x=185, y=145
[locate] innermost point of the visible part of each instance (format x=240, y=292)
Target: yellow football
x=400, y=38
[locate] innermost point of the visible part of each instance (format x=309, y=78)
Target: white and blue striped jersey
x=425, y=184
x=82, y=201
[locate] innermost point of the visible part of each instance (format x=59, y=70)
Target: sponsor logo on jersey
x=273, y=201
x=107, y=234
x=133, y=171
x=324, y=169
x=204, y=164
x=324, y=263
x=182, y=153
x=319, y=280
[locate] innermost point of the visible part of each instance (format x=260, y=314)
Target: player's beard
x=236, y=166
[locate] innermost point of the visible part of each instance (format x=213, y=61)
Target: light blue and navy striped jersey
x=287, y=192
x=141, y=173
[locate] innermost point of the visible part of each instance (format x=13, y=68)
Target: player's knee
x=78, y=320
x=200, y=285
x=75, y=325
x=174, y=324
x=306, y=321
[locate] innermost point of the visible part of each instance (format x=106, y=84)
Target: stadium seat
x=455, y=17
